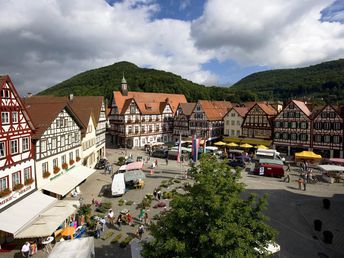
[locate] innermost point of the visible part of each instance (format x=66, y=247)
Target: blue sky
x=214, y=42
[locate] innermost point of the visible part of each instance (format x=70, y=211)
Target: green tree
x=211, y=219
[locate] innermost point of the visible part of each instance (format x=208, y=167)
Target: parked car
x=236, y=163
x=101, y=164
x=160, y=153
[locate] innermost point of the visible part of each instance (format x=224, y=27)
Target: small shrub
x=5, y=192
x=126, y=241
x=46, y=174
x=104, y=207
x=129, y=202
x=107, y=235
x=29, y=181
x=177, y=181
x=121, y=161
x=71, y=162
x=18, y=187
x=116, y=239
x=121, y=202
x=56, y=170
x=65, y=166
x=78, y=159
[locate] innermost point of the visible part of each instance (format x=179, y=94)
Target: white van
x=118, y=185
x=268, y=154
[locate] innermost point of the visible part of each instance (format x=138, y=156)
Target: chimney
x=71, y=97
x=29, y=95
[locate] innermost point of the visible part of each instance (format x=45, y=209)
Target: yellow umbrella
x=232, y=144
x=68, y=231
x=307, y=155
x=262, y=147
x=219, y=143
x=246, y=146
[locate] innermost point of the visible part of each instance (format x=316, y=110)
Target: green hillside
x=325, y=80
x=103, y=81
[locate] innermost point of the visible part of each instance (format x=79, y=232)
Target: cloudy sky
x=214, y=42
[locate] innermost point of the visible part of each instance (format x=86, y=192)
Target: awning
x=133, y=175
x=252, y=141
x=22, y=213
x=77, y=248
x=72, y=178
x=307, y=155
x=48, y=221
x=331, y=168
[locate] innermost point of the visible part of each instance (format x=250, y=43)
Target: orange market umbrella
x=68, y=231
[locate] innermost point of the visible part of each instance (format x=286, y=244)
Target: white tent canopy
x=22, y=213
x=68, y=181
x=48, y=221
x=77, y=248
x=331, y=168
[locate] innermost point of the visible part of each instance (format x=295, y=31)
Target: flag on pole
x=179, y=148
x=195, y=147
x=204, y=145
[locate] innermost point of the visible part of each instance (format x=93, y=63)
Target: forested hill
x=325, y=80
x=103, y=81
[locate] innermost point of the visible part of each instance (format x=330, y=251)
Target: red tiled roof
x=269, y=110
x=215, y=110
x=302, y=106
x=187, y=108
x=241, y=110
x=148, y=103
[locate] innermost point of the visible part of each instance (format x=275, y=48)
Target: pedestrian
x=130, y=219
x=140, y=231
x=155, y=194
x=26, y=249
x=146, y=218
x=166, y=161
x=159, y=195
x=98, y=229
x=142, y=214
x=305, y=181
x=119, y=221
x=286, y=177
x=103, y=222
x=110, y=216
x=300, y=182
x=288, y=167
x=156, y=162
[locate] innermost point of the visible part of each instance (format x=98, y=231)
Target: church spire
x=124, y=86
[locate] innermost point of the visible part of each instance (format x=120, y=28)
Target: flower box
x=46, y=174
x=17, y=187
x=71, y=162
x=64, y=165
x=29, y=181
x=56, y=170
x=78, y=159
x=5, y=192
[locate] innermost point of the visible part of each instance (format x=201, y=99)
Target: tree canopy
x=211, y=219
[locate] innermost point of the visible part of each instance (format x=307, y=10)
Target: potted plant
x=71, y=162
x=78, y=159
x=17, y=187
x=64, y=165
x=46, y=174
x=29, y=181
x=56, y=170
x=5, y=192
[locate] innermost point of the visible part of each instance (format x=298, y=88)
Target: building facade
x=17, y=170
x=258, y=122
x=327, y=132
x=293, y=127
x=233, y=121
x=181, y=123
x=206, y=120
x=139, y=118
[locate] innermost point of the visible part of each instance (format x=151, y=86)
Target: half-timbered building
x=292, y=128
x=258, y=121
x=206, y=120
x=17, y=174
x=327, y=132
x=57, y=137
x=139, y=118
x=181, y=121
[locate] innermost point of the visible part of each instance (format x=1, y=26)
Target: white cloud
x=46, y=41
x=276, y=33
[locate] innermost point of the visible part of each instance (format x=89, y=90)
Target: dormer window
x=132, y=109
